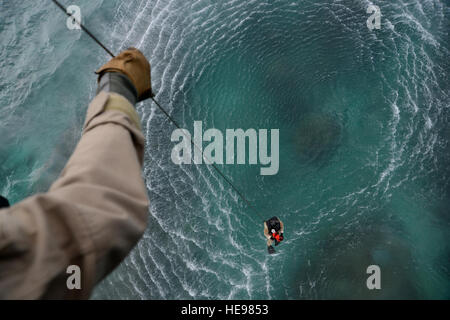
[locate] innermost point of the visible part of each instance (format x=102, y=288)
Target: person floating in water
x=273, y=231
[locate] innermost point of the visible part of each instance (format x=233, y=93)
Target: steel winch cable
x=171, y=119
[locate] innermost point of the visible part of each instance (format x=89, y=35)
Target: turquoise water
x=363, y=116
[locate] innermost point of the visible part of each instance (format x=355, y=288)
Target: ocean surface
x=364, y=120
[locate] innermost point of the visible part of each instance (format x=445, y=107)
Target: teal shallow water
x=364, y=140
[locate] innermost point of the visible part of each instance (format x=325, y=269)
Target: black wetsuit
x=273, y=223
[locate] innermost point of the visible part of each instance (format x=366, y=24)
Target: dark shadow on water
x=317, y=136
x=338, y=269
